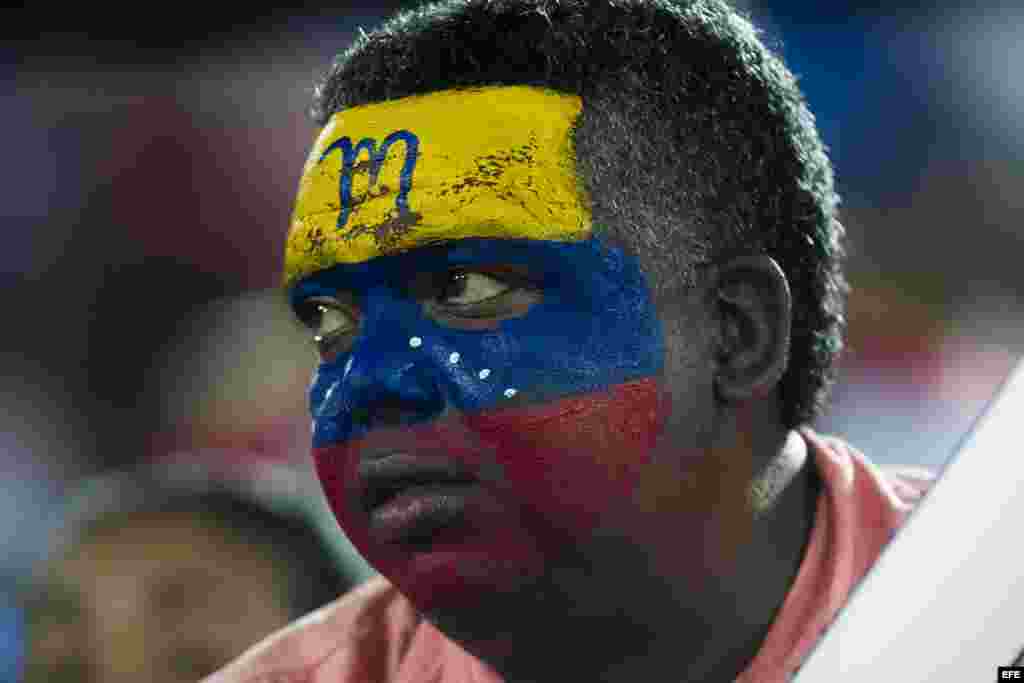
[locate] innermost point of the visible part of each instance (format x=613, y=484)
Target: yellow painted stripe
x=481, y=162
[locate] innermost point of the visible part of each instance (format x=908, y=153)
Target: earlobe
x=754, y=313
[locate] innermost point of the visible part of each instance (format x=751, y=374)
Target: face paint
x=571, y=437
x=478, y=162
x=554, y=408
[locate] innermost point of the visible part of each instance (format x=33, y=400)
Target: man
x=573, y=272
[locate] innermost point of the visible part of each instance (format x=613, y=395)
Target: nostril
x=388, y=412
x=360, y=416
x=395, y=411
x=377, y=392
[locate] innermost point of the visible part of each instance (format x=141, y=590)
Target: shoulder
x=361, y=636
x=905, y=485
x=909, y=482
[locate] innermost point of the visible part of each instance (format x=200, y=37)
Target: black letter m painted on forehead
x=377, y=155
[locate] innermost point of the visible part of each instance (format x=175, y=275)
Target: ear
x=754, y=312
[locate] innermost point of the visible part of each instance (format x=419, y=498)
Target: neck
x=654, y=624
x=783, y=500
x=743, y=602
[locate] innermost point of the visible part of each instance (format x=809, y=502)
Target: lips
x=386, y=477
x=409, y=500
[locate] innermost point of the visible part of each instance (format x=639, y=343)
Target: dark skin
x=681, y=581
x=640, y=601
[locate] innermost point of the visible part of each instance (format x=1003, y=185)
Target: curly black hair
x=694, y=141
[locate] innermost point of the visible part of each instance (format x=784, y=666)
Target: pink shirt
x=858, y=512
x=374, y=634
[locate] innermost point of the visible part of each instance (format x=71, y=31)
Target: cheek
x=562, y=467
x=571, y=462
x=699, y=495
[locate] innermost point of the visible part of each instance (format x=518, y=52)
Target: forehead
x=492, y=162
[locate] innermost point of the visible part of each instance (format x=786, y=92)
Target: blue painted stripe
x=594, y=327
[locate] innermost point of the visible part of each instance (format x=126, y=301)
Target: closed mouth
x=384, y=478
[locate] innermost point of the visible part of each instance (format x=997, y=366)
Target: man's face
x=491, y=395
x=529, y=367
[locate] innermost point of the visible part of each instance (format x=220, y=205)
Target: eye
x=465, y=288
x=330, y=321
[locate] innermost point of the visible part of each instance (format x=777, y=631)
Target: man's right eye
x=331, y=322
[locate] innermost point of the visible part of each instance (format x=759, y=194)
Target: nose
x=384, y=381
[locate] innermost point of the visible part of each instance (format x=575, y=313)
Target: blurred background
x=152, y=163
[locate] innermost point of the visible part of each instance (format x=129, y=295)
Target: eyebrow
x=433, y=243
x=416, y=241
x=438, y=241
x=308, y=285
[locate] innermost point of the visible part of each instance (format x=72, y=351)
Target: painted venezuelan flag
x=479, y=162
x=556, y=408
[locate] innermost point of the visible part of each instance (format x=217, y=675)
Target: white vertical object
x=945, y=601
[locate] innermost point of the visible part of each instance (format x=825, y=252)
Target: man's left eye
x=465, y=288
